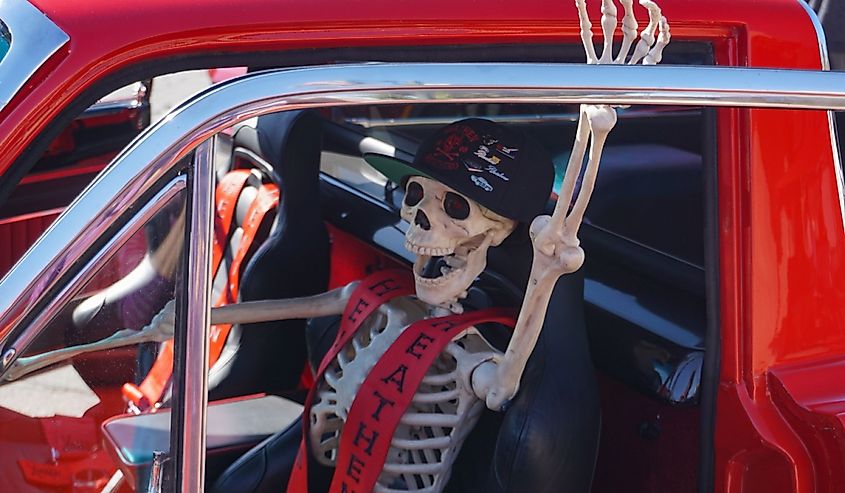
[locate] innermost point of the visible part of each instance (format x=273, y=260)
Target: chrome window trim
x=834, y=138
x=150, y=155
x=622, y=114
x=198, y=288
x=820, y=36
x=158, y=149
x=35, y=38
x=63, y=297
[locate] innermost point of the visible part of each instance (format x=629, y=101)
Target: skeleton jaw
x=450, y=245
x=442, y=275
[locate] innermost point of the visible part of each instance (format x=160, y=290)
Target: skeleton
x=451, y=252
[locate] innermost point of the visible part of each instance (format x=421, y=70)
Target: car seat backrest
x=547, y=440
x=293, y=261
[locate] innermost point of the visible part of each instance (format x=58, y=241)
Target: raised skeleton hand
x=555, y=238
x=557, y=250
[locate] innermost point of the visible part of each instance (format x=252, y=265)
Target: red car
x=711, y=295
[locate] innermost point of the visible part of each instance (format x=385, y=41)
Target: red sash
x=388, y=389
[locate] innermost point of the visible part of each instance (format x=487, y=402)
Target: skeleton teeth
x=430, y=251
x=446, y=274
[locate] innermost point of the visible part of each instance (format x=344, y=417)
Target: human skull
x=450, y=235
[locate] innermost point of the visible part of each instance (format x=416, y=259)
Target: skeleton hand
x=557, y=250
x=555, y=238
x=649, y=49
x=159, y=329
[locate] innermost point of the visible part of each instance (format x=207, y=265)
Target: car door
x=127, y=274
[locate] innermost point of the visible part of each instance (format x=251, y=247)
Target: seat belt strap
x=152, y=388
x=266, y=200
x=372, y=292
x=226, y=197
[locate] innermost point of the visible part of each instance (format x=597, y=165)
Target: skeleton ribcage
x=434, y=426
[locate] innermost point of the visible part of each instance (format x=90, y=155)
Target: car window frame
x=34, y=38
x=159, y=149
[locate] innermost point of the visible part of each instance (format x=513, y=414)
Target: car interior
x=300, y=212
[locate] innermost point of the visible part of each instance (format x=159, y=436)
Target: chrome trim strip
x=156, y=150
x=622, y=114
x=817, y=25
x=35, y=38
x=61, y=300
x=837, y=165
x=198, y=291
x=834, y=137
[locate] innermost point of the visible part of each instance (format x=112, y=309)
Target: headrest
x=291, y=142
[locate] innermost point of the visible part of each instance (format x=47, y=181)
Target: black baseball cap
x=499, y=167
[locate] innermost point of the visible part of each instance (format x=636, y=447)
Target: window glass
x=649, y=189
x=643, y=236
x=55, y=412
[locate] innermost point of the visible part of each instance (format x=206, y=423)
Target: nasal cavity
x=421, y=220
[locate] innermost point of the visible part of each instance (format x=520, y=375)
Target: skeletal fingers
x=649, y=47
x=629, y=31
x=586, y=32
x=656, y=54
x=608, y=27
x=646, y=46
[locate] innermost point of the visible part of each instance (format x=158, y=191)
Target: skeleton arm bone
x=26, y=365
x=160, y=328
x=320, y=305
x=556, y=252
x=555, y=239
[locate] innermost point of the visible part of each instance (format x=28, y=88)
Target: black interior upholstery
x=547, y=440
x=292, y=262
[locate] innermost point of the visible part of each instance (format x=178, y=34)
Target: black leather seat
x=546, y=441
x=293, y=261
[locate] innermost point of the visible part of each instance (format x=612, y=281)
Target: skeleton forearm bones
x=161, y=326
x=557, y=249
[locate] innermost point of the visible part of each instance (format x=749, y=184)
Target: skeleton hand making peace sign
x=557, y=249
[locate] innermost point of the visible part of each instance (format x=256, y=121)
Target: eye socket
x=456, y=206
x=413, y=194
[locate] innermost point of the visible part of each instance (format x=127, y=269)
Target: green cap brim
x=396, y=170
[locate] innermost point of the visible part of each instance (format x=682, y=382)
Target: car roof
x=110, y=38
x=123, y=31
